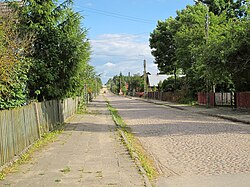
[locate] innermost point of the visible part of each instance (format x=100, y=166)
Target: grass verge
x=39, y=144
x=134, y=145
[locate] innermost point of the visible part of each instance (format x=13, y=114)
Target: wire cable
x=117, y=15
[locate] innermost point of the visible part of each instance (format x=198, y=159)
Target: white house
x=153, y=80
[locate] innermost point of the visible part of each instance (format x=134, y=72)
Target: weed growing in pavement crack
x=134, y=145
x=58, y=180
x=65, y=170
x=99, y=174
x=45, y=140
x=2, y=176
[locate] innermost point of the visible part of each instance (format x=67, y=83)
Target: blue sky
x=119, y=32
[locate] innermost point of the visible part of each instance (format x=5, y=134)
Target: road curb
x=136, y=157
x=163, y=104
x=224, y=117
x=202, y=113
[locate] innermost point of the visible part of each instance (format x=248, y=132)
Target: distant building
x=154, y=80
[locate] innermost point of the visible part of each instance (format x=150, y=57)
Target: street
x=189, y=149
x=88, y=153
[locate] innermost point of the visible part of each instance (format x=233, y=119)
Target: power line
x=120, y=56
x=117, y=15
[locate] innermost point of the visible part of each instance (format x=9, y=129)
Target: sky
x=119, y=31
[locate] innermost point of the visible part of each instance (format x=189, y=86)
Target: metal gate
x=224, y=99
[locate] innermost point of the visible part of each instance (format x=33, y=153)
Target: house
x=154, y=80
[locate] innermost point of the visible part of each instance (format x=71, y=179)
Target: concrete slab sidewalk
x=89, y=153
x=238, y=115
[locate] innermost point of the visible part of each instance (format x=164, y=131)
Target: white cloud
x=115, y=53
x=109, y=65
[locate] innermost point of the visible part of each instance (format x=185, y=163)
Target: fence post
x=235, y=99
x=37, y=121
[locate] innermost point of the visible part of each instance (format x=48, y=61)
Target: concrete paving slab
x=88, y=153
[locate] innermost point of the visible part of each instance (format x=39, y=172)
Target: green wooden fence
x=21, y=127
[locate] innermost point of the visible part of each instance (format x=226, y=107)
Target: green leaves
x=61, y=50
x=57, y=65
x=210, y=54
x=163, y=45
x=13, y=64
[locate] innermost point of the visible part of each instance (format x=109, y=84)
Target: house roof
x=154, y=80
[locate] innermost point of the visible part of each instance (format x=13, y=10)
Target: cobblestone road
x=187, y=144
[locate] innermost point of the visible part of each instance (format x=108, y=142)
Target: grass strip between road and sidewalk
x=27, y=155
x=133, y=145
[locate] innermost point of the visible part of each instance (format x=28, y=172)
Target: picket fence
x=21, y=127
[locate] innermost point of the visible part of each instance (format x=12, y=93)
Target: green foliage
x=38, y=145
x=13, y=64
x=163, y=45
x=115, y=84
x=231, y=7
x=61, y=49
x=133, y=144
x=238, y=54
x=135, y=83
x=211, y=48
x=65, y=170
x=172, y=85
x=56, y=66
x=124, y=90
x=154, y=89
x=160, y=88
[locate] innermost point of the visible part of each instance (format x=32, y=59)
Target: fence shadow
x=21, y=127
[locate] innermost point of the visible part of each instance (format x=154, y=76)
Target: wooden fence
x=243, y=100
x=21, y=127
x=166, y=96
x=237, y=100
x=206, y=99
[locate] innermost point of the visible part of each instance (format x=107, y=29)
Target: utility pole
x=120, y=83
x=129, y=87
x=207, y=24
x=207, y=36
x=145, y=78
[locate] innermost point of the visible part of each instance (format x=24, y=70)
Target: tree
x=171, y=84
x=190, y=40
x=163, y=46
x=137, y=83
x=13, y=64
x=61, y=49
x=232, y=8
x=211, y=48
x=119, y=82
x=237, y=54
